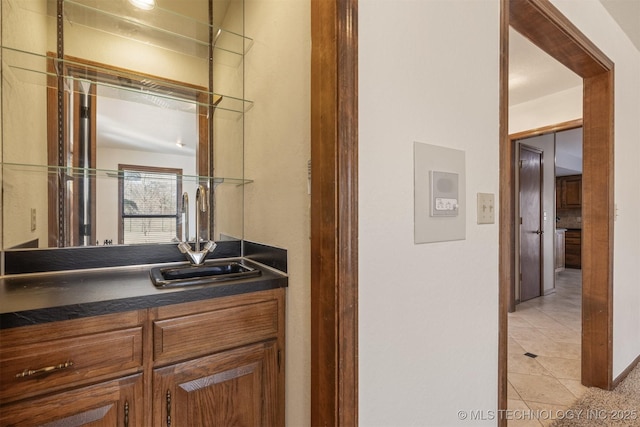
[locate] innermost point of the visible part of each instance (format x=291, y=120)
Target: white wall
x=592, y=19
x=428, y=314
x=277, y=148
x=548, y=110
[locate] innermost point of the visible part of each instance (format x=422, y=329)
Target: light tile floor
x=548, y=327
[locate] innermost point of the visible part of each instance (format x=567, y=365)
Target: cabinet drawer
x=205, y=333
x=31, y=369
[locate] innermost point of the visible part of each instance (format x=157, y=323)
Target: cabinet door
x=114, y=403
x=234, y=388
x=572, y=192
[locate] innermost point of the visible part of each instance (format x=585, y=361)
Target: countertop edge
x=270, y=279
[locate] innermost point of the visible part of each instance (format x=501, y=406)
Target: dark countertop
x=46, y=297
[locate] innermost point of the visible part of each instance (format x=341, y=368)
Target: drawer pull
x=168, y=408
x=30, y=372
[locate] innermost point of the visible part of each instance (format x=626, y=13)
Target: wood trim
x=52, y=152
x=506, y=215
x=334, y=213
x=572, y=124
x=546, y=27
x=597, y=232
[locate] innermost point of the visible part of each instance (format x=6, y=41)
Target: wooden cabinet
x=573, y=249
x=108, y=404
x=220, y=363
x=569, y=192
x=76, y=372
x=560, y=250
x=233, y=388
x=212, y=362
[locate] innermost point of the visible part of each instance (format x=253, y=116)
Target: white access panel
x=439, y=194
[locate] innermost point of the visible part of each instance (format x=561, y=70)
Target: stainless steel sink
x=186, y=275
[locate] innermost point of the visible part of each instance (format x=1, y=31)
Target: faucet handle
x=210, y=246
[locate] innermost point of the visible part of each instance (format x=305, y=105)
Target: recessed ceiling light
x=143, y=4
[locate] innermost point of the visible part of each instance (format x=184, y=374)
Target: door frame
x=551, y=31
x=334, y=212
x=538, y=151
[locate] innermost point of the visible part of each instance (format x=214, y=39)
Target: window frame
x=147, y=169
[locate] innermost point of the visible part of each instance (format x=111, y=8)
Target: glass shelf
x=32, y=68
x=24, y=169
x=159, y=27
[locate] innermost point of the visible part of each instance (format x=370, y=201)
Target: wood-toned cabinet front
x=212, y=362
x=220, y=362
x=573, y=249
x=82, y=372
x=569, y=192
x=233, y=388
x=112, y=403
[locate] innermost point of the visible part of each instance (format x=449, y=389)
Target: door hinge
x=521, y=162
x=84, y=112
x=279, y=359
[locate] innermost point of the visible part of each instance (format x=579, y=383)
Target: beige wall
x=24, y=132
x=277, y=148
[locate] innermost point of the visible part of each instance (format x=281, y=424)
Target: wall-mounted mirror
x=111, y=112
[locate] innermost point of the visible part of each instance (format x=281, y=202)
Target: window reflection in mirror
x=149, y=204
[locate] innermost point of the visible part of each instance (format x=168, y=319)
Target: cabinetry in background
x=573, y=249
x=569, y=192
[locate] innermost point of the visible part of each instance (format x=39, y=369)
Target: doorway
x=531, y=230
x=545, y=26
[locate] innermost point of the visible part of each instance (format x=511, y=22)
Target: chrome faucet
x=196, y=256
x=185, y=211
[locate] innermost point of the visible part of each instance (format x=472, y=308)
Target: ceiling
x=534, y=74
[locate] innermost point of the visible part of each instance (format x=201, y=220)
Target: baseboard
x=626, y=372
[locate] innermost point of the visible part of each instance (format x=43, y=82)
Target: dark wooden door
x=530, y=223
x=232, y=388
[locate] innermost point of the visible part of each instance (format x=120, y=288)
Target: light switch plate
x=486, y=208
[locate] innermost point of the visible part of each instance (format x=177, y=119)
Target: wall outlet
x=486, y=208
x=33, y=219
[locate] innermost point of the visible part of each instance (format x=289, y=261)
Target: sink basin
x=186, y=275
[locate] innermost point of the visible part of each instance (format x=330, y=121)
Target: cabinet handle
x=30, y=372
x=168, y=408
x=126, y=413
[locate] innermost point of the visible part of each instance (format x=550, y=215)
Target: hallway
x=548, y=327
